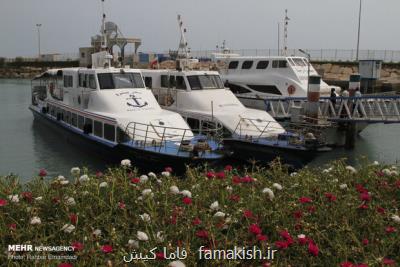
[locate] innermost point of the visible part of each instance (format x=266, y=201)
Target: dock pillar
x=313, y=95
x=350, y=135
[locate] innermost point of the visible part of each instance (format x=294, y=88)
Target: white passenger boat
x=110, y=110
x=253, y=79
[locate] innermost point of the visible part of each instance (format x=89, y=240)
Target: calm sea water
x=27, y=146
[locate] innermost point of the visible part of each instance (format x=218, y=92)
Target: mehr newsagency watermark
x=41, y=252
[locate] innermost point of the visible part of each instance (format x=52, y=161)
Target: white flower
x=75, y=171
x=394, y=173
x=386, y=171
x=335, y=180
x=143, y=178
x=142, y=236
x=269, y=193
x=126, y=163
x=174, y=190
x=301, y=236
x=277, y=186
x=186, y=193
x=140, y=198
x=13, y=198
x=395, y=218
x=152, y=175
x=68, y=228
x=70, y=201
x=103, y=184
x=219, y=214
x=84, y=178
x=343, y=186
x=376, y=163
x=351, y=169
x=195, y=186
x=85, y=193
x=97, y=232
x=293, y=174
x=228, y=219
x=64, y=182
x=214, y=205
x=176, y=264
x=133, y=243
x=147, y=192
x=38, y=198
x=166, y=174
x=145, y=217
x=393, y=167
x=160, y=236
x=229, y=188
x=60, y=178
x=159, y=181
x=325, y=171
x=35, y=220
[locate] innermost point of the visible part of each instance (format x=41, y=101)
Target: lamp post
x=38, y=29
x=308, y=69
x=359, y=27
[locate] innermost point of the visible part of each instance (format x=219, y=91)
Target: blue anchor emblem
x=136, y=103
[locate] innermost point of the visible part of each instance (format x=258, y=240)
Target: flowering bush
x=338, y=217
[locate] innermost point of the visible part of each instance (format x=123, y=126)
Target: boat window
x=68, y=117
x=98, y=128
x=74, y=119
x=81, y=78
x=109, y=132
x=247, y=64
x=172, y=81
x=68, y=81
x=237, y=89
x=305, y=62
x=268, y=89
x=279, y=64
x=194, y=124
x=299, y=62
x=198, y=82
x=291, y=62
x=52, y=110
x=88, y=126
x=180, y=82
x=81, y=122
x=120, y=80
x=262, y=64
x=164, y=81
x=148, y=81
x=92, y=82
x=233, y=65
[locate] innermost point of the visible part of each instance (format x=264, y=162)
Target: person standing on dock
x=333, y=100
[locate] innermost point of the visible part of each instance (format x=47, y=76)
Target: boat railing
x=256, y=128
x=163, y=138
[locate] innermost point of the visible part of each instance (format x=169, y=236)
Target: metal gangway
x=366, y=109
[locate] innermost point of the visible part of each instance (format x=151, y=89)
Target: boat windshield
x=199, y=82
x=120, y=80
x=299, y=62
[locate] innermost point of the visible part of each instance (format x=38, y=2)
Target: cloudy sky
x=68, y=24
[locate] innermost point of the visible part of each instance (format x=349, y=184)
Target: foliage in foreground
x=336, y=216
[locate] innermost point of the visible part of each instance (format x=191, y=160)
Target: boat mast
x=183, y=51
x=104, y=42
x=286, y=23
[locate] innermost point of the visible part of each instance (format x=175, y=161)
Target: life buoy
x=291, y=89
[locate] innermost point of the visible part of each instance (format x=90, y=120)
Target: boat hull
x=247, y=150
x=114, y=153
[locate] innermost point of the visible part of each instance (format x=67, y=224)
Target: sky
x=244, y=24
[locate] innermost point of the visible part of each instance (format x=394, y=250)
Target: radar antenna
x=183, y=50
x=286, y=24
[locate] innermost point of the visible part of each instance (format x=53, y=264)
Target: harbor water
x=27, y=146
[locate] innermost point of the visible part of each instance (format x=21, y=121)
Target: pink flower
x=107, y=249
x=331, y=197
x=236, y=180
x=248, y=214
x=160, y=256
x=202, y=234
x=210, y=175
x=196, y=221
x=361, y=265
x=380, y=210
x=304, y=200
x=313, y=249
x=390, y=229
x=365, y=242
x=302, y=239
x=42, y=172
x=77, y=246
x=360, y=188
x=346, y=264
x=65, y=264
x=168, y=169
x=255, y=229
x=311, y=209
x=285, y=234
x=12, y=226
x=246, y=179
x=298, y=214
x=187, y=200
x=387, y=261
x=27, y=196
x=220, y=175
x=281, y=244
x=234, y=198
x=121, y=205
x=73, y=218
x=228, y=168
x=99, y=174
x=3, y=202
x=262, y=238
x=363, y=207
x=135, y=180
x=365, y=196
